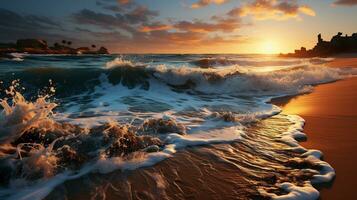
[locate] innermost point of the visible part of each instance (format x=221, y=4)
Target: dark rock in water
x=122, y=140
x=129, y=144
x=69, y=158
x=162, y=126
x=31, y=43
x=228, y=117
x=45, y=136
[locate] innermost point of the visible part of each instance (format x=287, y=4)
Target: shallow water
x=157, y=126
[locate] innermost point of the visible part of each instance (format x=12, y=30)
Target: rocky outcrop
x=337, y=45
x=31, y=43
x=37, y=46
x=103, y=50
x=86, y=50
x=82, y=50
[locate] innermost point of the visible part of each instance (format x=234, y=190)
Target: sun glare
x=269, y=47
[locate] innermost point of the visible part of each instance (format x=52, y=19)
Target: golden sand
x=330, y=112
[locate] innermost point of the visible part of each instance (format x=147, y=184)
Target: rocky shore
x=38, y=46
x=339, y=44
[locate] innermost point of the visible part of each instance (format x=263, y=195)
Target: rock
x=86, y=50
x=82, y=50
x=152, y=149
x=37, y=46
x=162, y=126
x=68, y=157
x=337, y=45
x=31, y=43
x=122, y=140
x=103, y=50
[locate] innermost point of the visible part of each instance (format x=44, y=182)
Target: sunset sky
x=179, y=26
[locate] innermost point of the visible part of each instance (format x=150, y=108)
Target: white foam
x=326, y=174
x=232, y=80
x=294, y=192
x=121, y=62
x=18, y=56
x=294, y=133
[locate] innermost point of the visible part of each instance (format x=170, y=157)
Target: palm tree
x=93, y=46
x=64, y=41
x=56, y=44
x=69, y=43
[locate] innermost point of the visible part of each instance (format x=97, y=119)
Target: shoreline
x=176, y=175
x=330, y=125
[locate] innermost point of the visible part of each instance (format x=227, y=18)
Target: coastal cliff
x=337, y=45
x=38, y=46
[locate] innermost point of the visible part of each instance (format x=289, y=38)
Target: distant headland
x=339, y=44
x=37, y=46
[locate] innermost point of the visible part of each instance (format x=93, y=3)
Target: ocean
x=157, y=127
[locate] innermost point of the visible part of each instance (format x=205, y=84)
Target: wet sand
x=343, y=62
x=330, y=112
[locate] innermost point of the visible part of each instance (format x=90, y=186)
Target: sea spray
x=22, y=115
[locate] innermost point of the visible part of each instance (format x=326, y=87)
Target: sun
x=269, y=47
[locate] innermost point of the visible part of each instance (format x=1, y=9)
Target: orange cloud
x=346, y=2
x=123, y=1
x=154, y=27
x=272, y=9
x=203, y=3
x=223, y=25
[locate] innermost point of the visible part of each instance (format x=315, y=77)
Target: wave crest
x=121, y=62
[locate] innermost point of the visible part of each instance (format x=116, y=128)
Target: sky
x=179, y=26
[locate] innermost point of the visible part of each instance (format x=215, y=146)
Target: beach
x=167, y=127
x=331, y=127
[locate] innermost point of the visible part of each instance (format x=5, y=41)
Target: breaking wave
x=233, y=79
x=121, y=62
